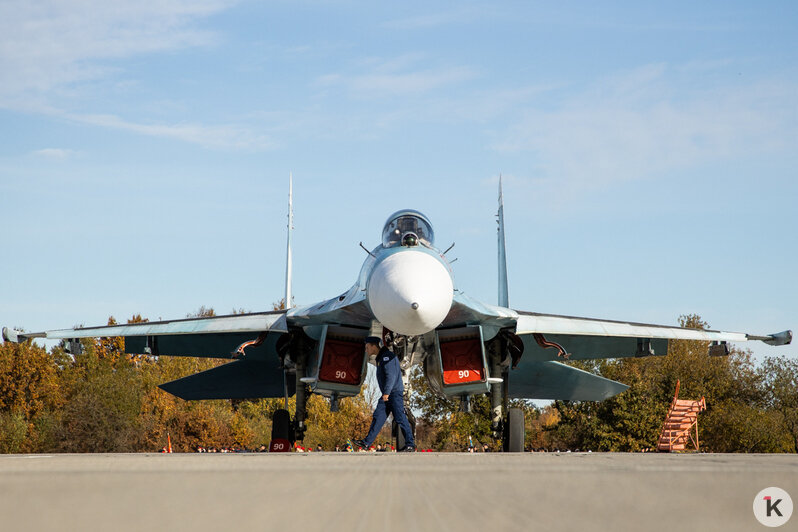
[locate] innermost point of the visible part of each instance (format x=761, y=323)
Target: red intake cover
x=341, y=361
x=462, y=361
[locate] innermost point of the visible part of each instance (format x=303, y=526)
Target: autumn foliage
x=103, y=400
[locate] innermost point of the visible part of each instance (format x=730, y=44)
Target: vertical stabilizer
x=503, y=291
x=288, y=255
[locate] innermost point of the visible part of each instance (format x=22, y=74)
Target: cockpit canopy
x=406, y=227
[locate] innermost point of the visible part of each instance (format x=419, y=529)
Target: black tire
x=399, y=434
x=514, y=431
x=281, y=425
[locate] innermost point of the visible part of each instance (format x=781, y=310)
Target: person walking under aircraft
x=389, y=379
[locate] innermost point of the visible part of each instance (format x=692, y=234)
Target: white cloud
x=462, y=15
x=220, y=137
x=409, y=82
x=48, y=44
x=647, y=122
x=54, y=153
x=397, y=76
x=47, y=48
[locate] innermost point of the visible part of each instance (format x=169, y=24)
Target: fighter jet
x=406, y=294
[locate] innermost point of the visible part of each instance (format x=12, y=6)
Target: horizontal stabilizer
x=242, y=379
x=553, y=380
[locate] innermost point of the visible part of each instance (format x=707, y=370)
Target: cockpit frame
x=402, y=226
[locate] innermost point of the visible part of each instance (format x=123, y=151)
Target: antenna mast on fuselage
x=288, y=257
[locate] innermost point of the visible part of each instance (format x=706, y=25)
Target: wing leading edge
x=236, y=323
x=547, y=338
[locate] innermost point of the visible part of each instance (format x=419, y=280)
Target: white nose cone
x=410, y=292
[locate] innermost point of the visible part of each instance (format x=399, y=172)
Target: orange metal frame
x=702, y=405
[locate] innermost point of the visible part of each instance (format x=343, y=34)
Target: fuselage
x=407, y=280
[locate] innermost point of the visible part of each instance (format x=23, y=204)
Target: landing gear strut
x=507, y=423
x=301, y=400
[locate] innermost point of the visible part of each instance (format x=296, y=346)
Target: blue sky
x=648, y=151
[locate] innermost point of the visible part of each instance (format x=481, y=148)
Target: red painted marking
x=545, y=344
x=341, y=361
x=462, y=361
x=279, y=445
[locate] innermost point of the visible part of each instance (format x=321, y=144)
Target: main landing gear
x=282, y=432
x=507, y=424
x=513, y=433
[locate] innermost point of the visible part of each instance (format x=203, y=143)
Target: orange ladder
x=677, y=430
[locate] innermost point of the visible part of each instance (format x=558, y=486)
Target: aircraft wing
x=216, y=337
x=237, y=323
x=548, y=337
x=259, y=375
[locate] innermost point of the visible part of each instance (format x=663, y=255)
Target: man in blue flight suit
x=389, y=378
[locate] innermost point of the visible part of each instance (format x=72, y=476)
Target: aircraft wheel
x=399, y=434
x=281, y=425
x=514, y=431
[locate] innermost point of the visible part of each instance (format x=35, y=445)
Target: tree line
x=103, y=400
x=750, y=408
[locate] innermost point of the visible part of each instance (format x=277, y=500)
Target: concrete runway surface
x=385, y=492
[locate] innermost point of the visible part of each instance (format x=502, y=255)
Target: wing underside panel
x=205, y=345
x=542, y=347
